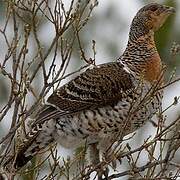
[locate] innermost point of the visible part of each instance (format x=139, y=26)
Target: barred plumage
x=107, y=102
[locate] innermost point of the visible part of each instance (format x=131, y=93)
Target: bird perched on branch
x=107, y=102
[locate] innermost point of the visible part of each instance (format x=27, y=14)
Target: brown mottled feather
x=102, y=85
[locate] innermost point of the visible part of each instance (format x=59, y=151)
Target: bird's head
x=151, y=17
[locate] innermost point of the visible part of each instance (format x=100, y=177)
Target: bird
x=106, y=102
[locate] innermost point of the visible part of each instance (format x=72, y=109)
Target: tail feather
x=33, y=146
x=37, y=140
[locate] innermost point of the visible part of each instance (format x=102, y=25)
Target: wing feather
x=103, y=85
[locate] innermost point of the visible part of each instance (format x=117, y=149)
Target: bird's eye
x=153, y=8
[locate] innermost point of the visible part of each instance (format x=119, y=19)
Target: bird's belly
x=95, y=125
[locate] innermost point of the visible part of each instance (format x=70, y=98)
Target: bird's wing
x=102, y=85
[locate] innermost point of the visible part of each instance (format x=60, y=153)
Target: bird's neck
x=146, y=38
x=142, y=58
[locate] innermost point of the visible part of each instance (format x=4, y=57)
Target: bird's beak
x=169, y=10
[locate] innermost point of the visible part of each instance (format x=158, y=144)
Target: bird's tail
x=39, y=137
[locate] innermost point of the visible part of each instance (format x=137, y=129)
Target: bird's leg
x=94, y=154
x=95, y=160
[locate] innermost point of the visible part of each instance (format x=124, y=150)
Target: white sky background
x=126, y=10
